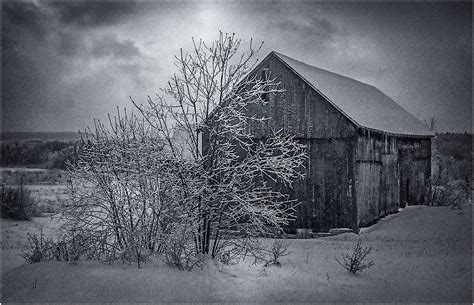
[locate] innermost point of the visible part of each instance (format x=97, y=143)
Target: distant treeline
x=457, y=145
x=455, y=150
x=39, y=149
x=62, y=136
x=39, y=153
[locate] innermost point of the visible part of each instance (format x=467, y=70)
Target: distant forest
x=63, y=136
x=455, y=151
x=53, y=150
x=457, y=145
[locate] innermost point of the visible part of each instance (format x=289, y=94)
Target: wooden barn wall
x=353, y=177
x=325, y=196
x=415, y=170
x=377, y=191
x=390, y=172
x=299, y=110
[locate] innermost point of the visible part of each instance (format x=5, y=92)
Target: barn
x=368, y=156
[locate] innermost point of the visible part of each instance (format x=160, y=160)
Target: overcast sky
x=64, y=64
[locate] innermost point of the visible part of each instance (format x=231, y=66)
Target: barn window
x=264, y=77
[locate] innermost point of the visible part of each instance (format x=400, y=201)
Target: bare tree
x=431, y=123
x=147, y=183
x=211, y=95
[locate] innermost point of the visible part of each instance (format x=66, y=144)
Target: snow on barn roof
x=363, y=104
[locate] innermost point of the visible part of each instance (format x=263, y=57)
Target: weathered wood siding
x=300, y=110
x=353, y=176
x=376, y=176
x=415, y=170
x=325, y=196
x=391, y=172
x=390, y=196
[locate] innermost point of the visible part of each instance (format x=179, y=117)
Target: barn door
x=404, y=186
x=390, y=191
x=368, y=191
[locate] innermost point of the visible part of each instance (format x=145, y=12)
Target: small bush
x=131, y=254
x=255, y=251
x=61, y=251
x=74, y=245
x=67, y=248
x=279, y=249
x=357, y=260
x=38, y=249
x=17, y=203
x=453, y=193
x=179, y=252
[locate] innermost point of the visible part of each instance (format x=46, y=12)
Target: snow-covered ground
x=422, y=254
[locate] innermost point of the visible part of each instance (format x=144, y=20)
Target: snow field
x=422, y=254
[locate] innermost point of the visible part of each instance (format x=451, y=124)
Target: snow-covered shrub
x=60, y=251
x=38, y=249
x=186, y=178
x=207, y=124
x=68, y=249
x=75, y=244
x=179, y=252
x=357, y=260
x=123, y=192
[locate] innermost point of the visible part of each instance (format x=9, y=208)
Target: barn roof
x=363, y=104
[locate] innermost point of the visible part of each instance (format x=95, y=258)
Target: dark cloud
x=314, y=28
x=111, y=46
x=426, y=51
x=25, y=27
x=91, y=14
x=64, y=63
x=24, y=16
x=39, y=54
x=294, y=28
x=70, y=43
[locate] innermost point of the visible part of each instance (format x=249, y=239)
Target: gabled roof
x=363, y=104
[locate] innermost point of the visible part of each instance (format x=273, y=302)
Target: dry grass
x=47, y=187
